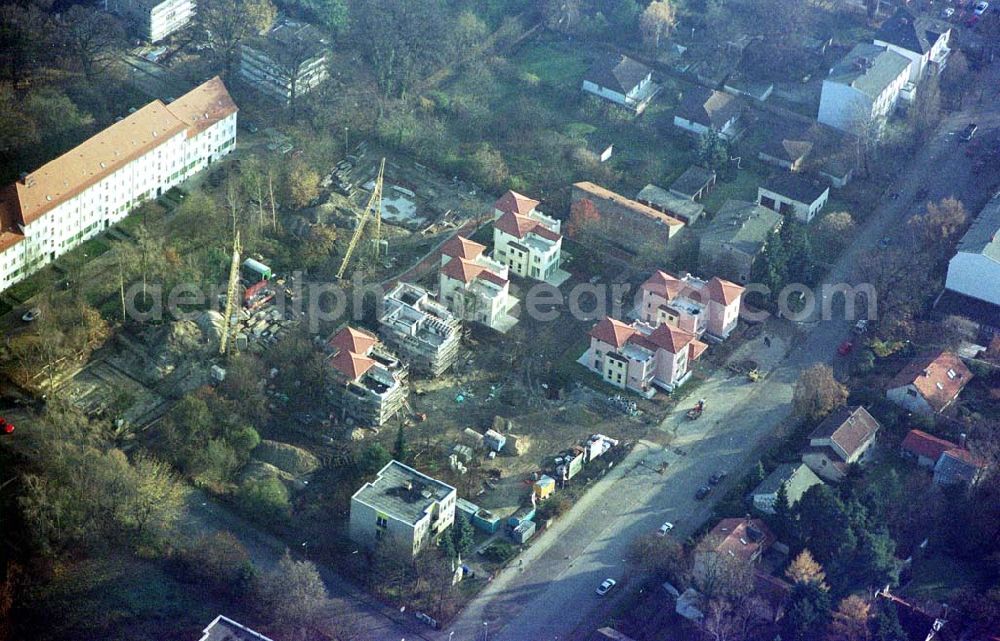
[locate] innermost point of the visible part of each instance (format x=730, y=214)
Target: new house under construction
x=370, y=382
x=420, y=329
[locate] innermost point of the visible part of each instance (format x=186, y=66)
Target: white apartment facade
x=290, y=61
x=474, y=286
x=863, y=89
x=155, y=20
x=401, y=507
x=65, y=202
x=524, y=239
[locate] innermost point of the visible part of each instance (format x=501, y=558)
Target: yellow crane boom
x=374, y=206
x=229, y=322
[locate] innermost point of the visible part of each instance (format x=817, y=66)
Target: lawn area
x=28, y=287
x=742, y=187
x=937, y=577
x=88, y=251
x=554, y=64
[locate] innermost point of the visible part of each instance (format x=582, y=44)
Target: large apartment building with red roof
x=524, y=239
x=641, y=358
x=72, y=198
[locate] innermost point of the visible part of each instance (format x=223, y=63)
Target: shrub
x=500, y=552
x=265, y=499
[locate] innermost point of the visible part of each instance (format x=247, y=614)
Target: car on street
x=845, y=348
x=31, y=315
x=717, y=478
x=969, y=131
x=605, y=587
x=702, y=492
x=981, y=8
x=948, y=12
x=894, y=195
x=665, y=528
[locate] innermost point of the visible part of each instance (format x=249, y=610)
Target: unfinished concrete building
x=420, y=329
x=369, y=381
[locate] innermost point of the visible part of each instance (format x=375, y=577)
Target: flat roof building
x=420, y=329
x=287, y=62
x=402, y=507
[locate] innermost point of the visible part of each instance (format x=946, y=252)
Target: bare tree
x=656, y=22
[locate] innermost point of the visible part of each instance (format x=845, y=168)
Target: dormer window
x=952, y=375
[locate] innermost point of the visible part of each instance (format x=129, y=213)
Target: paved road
x=553, y=598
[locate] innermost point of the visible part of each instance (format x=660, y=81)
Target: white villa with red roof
x=526, y=240
x=696, y=306
x=370, y=382
x=74, y=197
x=844, y=437
x=639, y=357
x=475, y=287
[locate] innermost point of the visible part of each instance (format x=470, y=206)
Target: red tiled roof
x=515, y=203
x=462, y=247
x=664, y=285
x=723, y=291
x=697, y=349
x=733, y=536
x=644, y=210
x=673, y=339
x=493, y=277
x=203, y=106
x=926, y=445
x=10, y=234
x=354, y=340
x=462, y=269
x=930, y=375
x=848, y=427
x=520, y=226
x=350, y=364
x=613, y=332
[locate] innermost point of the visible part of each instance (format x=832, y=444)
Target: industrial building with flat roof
x=401, y=507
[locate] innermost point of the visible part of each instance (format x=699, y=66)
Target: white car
x=981, y=8
x=31, y=315
x=665, y=528
x=605, y=587
x=948, y=12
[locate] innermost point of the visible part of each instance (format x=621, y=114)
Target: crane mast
x=374, y=206
x=229, y=322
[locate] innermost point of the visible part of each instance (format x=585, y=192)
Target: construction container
x=544, y=487
x=494, y=440
x=256, y=271
x=523, y=532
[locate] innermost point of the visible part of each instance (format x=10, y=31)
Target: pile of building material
x=288, y=458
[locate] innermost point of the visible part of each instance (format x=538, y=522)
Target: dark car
x=717, y=478
x=969, y=131
x=702, y=492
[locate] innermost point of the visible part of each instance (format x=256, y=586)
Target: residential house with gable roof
x=844, y=437
x=702, y=110
x=401, y=507
x=862, y=90
x=369, y=384
x=951, y=462
x=641, y=358
x=525, y=239
x=921, y=39
x=474, y=286
x=930, y=384
x=796, y=478
x=700, y=307
x=974, y=271
x=732, y=540
x=735, y=238
x=621, y=80
x=68, y=200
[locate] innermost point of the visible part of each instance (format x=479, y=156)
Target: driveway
x=553, y=597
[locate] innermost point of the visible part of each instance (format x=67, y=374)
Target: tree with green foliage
x=886, y=626
x=372, y=459
x=823, y=525
x=806, y=613
x=462, y=534
x=875, y=559
x=782, y=521
x=818, y=392
x=713, y=150
x=266, y=499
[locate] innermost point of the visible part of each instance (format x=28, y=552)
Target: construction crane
x=229, y=322
x=374, y=206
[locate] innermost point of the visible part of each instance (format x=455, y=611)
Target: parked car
x=717, y=478
x=981, y=8
x=31, y=315
x=845, y=348
x=702, y=492
x=948, y=12
x=665, y=528
x=605, y=587
x=969, y=131
x=861, y=327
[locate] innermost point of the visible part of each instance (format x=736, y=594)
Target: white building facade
x=524, y=239
x=974, y=271
x=83, y=192
x=155, y=20
x=863, y=89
